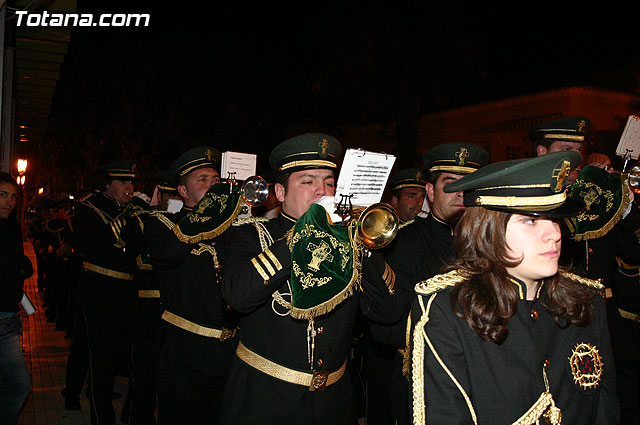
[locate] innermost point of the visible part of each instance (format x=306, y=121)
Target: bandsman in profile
x=295, y=280
x=105, y=290
x=186, y=252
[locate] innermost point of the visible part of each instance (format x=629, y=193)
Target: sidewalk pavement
x=45, y=351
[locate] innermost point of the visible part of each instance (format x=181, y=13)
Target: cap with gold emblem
x=533, y=186
x=409, y=177
x=122, y=170
x=456, y=157
x=306, y=151
x=569, y=129
x=193, y=159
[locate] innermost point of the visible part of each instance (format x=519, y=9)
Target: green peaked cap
x=527, y=186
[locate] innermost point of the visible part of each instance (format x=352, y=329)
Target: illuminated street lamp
x=22, y=166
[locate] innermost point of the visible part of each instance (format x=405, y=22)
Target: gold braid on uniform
x=406, y=351
x=543, y=407
x=590, y=283
x=431, y=287
x=406, y=223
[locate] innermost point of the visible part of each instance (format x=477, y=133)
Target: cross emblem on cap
x=209, y=154
x=324, y=145
x=563, y=172
x=462, y=155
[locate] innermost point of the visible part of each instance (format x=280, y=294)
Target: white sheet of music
x=364, y=175
x=630, y=139
x=243, y=164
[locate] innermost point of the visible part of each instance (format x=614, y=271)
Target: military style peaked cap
x=533, y=186
x=164, y=183
x=122, y=170
x=570, y=129
x=306, y=151
x=193, y=159
x=410, y=177
x=456, y=157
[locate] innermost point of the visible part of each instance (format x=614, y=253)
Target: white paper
x=242, y=164
x=630, y=139
x=174, y=205
x=27, y=304
x=364, y=175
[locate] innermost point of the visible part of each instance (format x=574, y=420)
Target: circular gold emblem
x=586, y=365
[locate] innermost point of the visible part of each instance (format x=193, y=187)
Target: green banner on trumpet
x=606, y=197
x=215, y=212
x=325, y=265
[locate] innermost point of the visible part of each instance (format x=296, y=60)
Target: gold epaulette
x=162, y=216
x=249, y=220
x=440, y=281
x=592, y=284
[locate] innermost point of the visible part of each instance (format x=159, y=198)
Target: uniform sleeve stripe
x=255, y=263
x=273, y=259
x=266, y=264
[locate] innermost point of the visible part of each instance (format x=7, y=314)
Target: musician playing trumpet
x=290, y=363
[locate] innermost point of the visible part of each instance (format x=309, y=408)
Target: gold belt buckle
x=319, y=380
x=226, y=334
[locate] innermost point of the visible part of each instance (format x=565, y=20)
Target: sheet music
x=364, y=175
x=243, y=164
x=630, y=139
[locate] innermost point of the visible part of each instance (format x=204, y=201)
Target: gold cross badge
x=563, y=172
x=324, y=145
x=462, y=155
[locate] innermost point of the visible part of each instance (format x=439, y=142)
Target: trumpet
x=377, y=224
x=633, y=178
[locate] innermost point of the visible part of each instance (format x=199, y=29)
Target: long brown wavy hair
x=487, y=300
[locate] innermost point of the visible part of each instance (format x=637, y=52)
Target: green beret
x=193, y=159
x=532, y=186
x=456, y=157
x=410, y=177
x=164, y=182
x=570, y=129
x=121, y=170
x=306, y=151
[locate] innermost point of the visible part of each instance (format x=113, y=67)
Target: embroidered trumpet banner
x=211, y=216
x=606, y=197
x=325, y=265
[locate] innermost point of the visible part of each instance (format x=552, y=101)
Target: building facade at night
x=501, y=126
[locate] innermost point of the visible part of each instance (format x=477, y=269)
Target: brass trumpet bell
x=634, y=178
x=254, y=191
x=378, y=224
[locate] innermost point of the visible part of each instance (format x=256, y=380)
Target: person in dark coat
x=291, y=370
x=505, y=336
x=105, y=291
x=419, y=252
x=196, y=339
x=16, y=267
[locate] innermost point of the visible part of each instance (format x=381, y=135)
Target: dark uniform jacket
x=190, y=289
x=15, y=266
x=502, y=381
x=94, y=236
x=253, y=397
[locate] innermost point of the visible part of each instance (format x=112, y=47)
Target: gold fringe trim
x=327, y=306
x=440, y=282
x=211, y=233
x=593, y=234
x=593, y=284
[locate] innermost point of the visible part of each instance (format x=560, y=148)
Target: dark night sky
x=242, y=77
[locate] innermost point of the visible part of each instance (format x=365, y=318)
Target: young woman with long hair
x=504, y=336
